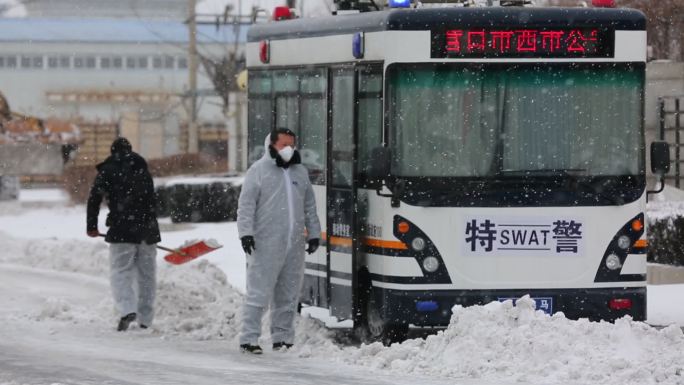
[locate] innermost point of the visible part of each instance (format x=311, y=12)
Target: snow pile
x=501, y=342
x=56, y=308
x=669, y=203
x=61, y=255
x=664, y=210
x=194, y=300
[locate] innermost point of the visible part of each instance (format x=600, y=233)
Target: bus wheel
x=376, y=329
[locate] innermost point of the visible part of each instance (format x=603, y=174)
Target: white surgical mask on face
x=286, y=153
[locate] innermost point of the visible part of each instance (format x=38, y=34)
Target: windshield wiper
x=572, y=175
x=564, y=172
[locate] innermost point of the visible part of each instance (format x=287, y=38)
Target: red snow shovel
x=189, y=251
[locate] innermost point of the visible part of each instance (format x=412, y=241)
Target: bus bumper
x=409, y=307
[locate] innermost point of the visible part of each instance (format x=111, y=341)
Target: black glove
x=313, y=245
x=248, y=244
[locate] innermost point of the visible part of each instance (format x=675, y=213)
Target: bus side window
x=286, y=89
x=370, y=118
x=260, y=112
x=313, y=117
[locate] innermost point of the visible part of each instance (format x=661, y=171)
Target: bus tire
x=374, y=328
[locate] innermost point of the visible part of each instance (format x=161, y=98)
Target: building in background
x=146, y=9
x=126, y=74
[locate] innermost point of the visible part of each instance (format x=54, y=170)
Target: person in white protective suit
x=275, y=207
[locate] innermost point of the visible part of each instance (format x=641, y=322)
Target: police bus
x=462, y=155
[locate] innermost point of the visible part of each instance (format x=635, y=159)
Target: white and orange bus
x=462, y=155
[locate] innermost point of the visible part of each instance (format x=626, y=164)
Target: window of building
x=90, y=62
x=142, y=62
x=12, y=62
x=64, y=62
x=117, y=62
x=79, y=62
x=168, y=62
x=53, y=62
x=2, y=62
x=105, y=62
x=130, y=62
x=182, y=63
x=157, y=62
x=37, y=62
x=25, y=62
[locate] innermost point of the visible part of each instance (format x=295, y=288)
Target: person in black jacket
x=124, y=180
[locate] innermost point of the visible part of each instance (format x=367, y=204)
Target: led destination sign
x=522, y=43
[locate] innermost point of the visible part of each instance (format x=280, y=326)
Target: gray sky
x=309, y=7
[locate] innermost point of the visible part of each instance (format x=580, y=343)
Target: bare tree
x=223, y=73
x=665, y=24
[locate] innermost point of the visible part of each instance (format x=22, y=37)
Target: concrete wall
x=31, y=159
x=665, y=275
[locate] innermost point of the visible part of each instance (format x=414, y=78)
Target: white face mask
x=286, y=153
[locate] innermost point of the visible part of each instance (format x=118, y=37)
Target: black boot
x=282, y=346
x=125, y=321
x=254, y=349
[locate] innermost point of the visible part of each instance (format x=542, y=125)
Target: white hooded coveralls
x=275, y=207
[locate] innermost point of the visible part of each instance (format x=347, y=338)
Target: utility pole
x=193, y=136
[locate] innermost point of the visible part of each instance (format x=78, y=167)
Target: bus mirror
x=380, y=162
x=660, y=157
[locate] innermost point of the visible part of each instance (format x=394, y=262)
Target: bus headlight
x=430, y=264
x=624, y=242
x=418, y=244
x=613, y=262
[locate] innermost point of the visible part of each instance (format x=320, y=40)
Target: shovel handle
x=160, y=247
x=172, y=250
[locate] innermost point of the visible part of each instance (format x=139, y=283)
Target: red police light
x=603, y=3
x=620, y=304
x=282, y=13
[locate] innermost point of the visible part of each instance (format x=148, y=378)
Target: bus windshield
x=501, y=123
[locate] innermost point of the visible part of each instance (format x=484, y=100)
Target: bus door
x=341, y=192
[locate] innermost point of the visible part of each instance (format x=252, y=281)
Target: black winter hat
x=121, y=146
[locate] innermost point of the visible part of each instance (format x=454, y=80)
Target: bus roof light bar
x=603, y=3
x=399, y=3
x=282, y=13
x=478, y=3
x=344, y=6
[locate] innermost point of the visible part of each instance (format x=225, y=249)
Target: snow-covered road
x=41, y=344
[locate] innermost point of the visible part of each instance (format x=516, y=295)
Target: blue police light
x=399, y=3
x=357, y=45
x=426, y=306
